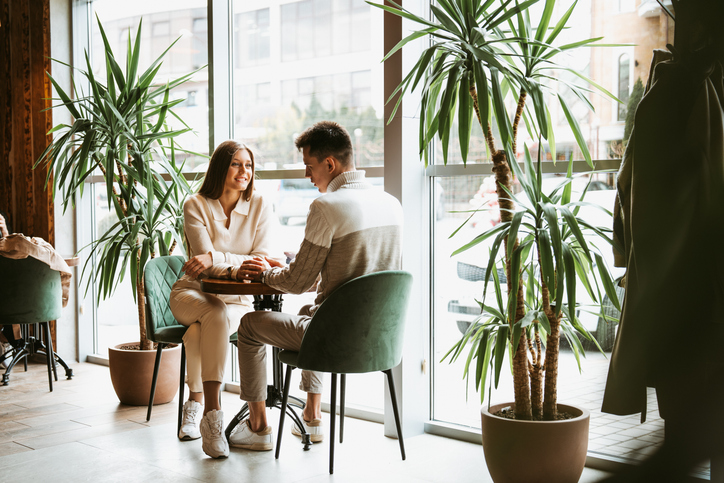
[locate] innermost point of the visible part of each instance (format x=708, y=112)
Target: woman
x=226, y=222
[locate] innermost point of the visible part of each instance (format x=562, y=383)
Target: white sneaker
x=244, y=437
x=189, y=426
x=313, y=428
x=212, y=433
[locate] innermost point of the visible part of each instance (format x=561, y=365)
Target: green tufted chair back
x=159, y=276
x=30, y=291
x=359, y=328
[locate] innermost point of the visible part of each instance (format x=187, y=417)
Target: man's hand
x=274, y=263
x=3, y=227
x=196, y=265
x=252, y=269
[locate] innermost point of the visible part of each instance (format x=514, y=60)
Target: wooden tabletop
x=235, y=287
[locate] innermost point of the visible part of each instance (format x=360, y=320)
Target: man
x=351, y=231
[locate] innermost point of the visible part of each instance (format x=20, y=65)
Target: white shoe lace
x=189, y=415
x=217, y=427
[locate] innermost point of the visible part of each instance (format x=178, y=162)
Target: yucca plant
x=480, y=54
x=120, y=130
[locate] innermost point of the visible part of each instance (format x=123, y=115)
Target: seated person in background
x=10, y=334
x=351, y=231
x=225, y=223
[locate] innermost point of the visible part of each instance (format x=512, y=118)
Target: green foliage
x=120, y=129
x=555, y=251
x=633, y=103
x=492, y=48
x=486, y=54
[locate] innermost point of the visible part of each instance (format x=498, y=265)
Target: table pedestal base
x=274, y=400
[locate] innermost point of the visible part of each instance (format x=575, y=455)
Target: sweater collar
x=242, y=208
x=349, y=180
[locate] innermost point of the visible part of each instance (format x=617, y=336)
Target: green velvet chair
x=161, y=327
x=30, y=293
x=359, y=328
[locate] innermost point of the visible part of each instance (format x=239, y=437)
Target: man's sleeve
x=301, y=274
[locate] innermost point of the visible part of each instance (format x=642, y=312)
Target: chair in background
x=31, y=294
x=359, y=328
x=161, y=326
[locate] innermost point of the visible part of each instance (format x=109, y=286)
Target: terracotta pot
x=132, y=371
x=535, y=451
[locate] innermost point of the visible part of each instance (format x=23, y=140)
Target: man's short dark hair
x=327, y=138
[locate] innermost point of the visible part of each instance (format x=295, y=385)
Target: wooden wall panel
x=25, y=92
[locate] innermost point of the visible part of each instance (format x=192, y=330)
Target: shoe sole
x=214, y=456
x=254, y=446
x=187, y=437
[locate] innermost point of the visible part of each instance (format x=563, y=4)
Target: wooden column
x=25, y=91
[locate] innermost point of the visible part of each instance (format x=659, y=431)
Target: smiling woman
x=225, y=223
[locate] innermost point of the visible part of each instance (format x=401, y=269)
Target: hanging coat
x=670, y=220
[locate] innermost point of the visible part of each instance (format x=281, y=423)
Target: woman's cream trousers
x=210, y=321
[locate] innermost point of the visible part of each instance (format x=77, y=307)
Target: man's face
x=317, y=171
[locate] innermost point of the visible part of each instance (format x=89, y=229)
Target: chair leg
x=282, y=416
x=332, y=416
x=393, y=397
x=181, y=388
x=342, y=388
x=49, y=347
x=49, y=355
x=26, y=338
x=153, y=381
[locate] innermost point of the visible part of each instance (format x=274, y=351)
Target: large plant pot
x=132, y=371
x=535, y=451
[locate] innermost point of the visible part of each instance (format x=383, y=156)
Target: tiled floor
x=619, y=436
x=80, y=432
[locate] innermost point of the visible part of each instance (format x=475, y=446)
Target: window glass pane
x=623, y=85
x=642, y=29
x=306, y=81
x=163, y=22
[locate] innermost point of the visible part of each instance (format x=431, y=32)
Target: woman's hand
x=252, y=269
x=196, y=265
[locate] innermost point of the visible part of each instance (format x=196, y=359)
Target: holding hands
x=252, y=269
x=196, y=265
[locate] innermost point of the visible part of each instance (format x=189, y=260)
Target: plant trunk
x=503, y=179
x=144, y=343
x=516, y=120
x=550, y=398
x=536, y=381
x=141, y=301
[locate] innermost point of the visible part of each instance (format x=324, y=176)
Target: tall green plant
x=481, y=53
x=120, y=130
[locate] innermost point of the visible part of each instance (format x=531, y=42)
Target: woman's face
x=240, y=171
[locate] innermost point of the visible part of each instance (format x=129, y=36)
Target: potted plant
x=481, y=53
x=120, y=131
